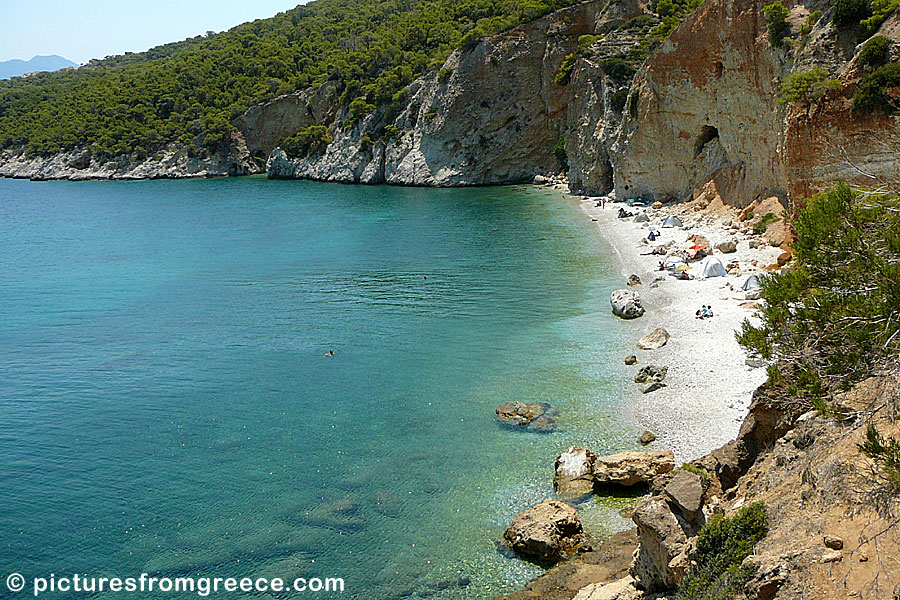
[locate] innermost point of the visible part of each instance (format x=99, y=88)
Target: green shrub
x=886, y=454
x=881, y=10
x=808, y=87
x=586, y=41
x=444, y=74
x=776, y=20
x=813, y=18
x=873, y=94
x=366, y=144
x=559, y=151
x=617, y=68
x=718, y=572
x=633, y=106
x=638, y=23
x=309, y=141
x=564, y=74
x=850, y=12
x=830, y=319
x=703, y=473
x=617, y=100
x=874, y=52
x=763, y=224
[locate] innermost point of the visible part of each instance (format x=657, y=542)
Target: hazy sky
x=85, y=29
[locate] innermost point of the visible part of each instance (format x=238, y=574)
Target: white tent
x=751, y=283
x=641, y=218
x=672, y=221
x=713, y=268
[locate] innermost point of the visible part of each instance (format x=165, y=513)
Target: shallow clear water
x=165, y=405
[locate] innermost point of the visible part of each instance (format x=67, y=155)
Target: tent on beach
x=752, y=283
x=641, y=218
x=672, y=221
x=713, y=267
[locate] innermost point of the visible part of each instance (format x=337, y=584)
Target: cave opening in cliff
x=707, y=134
x=607, y=176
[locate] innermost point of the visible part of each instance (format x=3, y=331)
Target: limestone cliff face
x=494, y=119
x=705, y=107
x=705, y=101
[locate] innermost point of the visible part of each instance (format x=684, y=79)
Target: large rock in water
x=632, y=468
x=657, y=338
x=574, y=476
x=626, y=304
x=535, y=415
x=546, y=533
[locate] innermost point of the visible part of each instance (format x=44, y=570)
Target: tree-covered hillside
x=188, y=92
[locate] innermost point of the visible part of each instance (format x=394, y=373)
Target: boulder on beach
x=634, y=280
x=574, y=473
x=631, y=359
x=626, y=304
x=652, y=387
x=653, y=340
x=632, y=468
x=534, y=415
x=546, y=533
x=651, y=373
x=727, y=247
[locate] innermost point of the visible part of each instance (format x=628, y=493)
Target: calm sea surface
x=165, y=405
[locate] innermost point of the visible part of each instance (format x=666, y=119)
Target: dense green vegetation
x=776, y=21
x=867, y=15
x=188, y=92
x=875, y=52
x=873, y=94
x=722, y=546
x=807, y=87
x=831, y=318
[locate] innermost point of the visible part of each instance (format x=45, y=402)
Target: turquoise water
x=165, y=405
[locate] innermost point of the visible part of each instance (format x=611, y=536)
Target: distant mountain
x=16, y=67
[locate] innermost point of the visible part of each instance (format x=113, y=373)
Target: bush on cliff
x=881, y=10
x=776, y=20
x=886, y=454
x=807, y=87
x=309, y=141
x=833, y=316
x=718, y=572
x=877, y=92
x=874, y=52
x=850, y=12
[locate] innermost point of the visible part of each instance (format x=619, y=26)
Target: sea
x=168, y=404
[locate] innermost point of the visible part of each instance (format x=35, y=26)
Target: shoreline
x=708, y=385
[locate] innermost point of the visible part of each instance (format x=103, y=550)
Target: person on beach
x=709, y=312
x=652, y=236
x=329, y=353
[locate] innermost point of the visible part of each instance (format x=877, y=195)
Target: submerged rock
x=631, y=359
x=632, y=468
x=626, y=304
x=546, y=532
x=537, y=416
x=647, y=437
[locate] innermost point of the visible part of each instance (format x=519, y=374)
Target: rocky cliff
x=706, y=108
x=493, y=114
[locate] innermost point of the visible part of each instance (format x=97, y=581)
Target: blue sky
x=84, y=29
